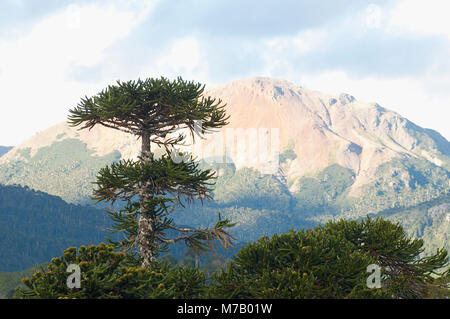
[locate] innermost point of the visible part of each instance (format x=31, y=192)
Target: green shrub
x=106, y=274
x=331, y=262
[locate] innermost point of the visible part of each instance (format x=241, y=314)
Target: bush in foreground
x=331, y=262
x=107, y=274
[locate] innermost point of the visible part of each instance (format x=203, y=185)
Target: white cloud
x=301, y=43
x=277, y=52
x=183, y=56
x=34, y=83
x=421, y=17
x=373, y=16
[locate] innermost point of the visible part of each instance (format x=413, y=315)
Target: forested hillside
x=261, y=204
x=429, y=221
x=34, y=227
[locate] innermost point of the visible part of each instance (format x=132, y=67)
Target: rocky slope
x=323, y=130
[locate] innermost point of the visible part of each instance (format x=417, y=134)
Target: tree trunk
x=145, y=148
x=146, y=236
x=146, y=242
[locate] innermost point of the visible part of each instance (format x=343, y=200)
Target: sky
x=53, y=52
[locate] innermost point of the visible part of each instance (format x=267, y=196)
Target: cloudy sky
x=52, y=52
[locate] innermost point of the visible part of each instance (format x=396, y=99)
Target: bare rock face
x=323, y=129
x=320, y=129
x=345, y=99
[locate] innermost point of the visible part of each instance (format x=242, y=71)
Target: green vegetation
x=429, y=221
x=35, y=227
x=331, y=262
x=431, y=141
x=301, y=264
x=288, y=154
x=255, y=209
x=10, y=281
x=157, y=196
x=247, y=187
x=203, y=260
x=106, y=274
x=323, y=190
x=326, y=262
x=405, y=191
x=260, y=204
x=65, y=169
x=250, y=223
x=401, y=184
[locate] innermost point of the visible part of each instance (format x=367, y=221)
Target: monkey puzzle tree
x=153, y=110
x=106, y=274
x=331, y=261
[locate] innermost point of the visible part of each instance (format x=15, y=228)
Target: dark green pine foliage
x=10, y=281
x=331, y=262
x=106, y=274
x=153, y=110
x=405, y=274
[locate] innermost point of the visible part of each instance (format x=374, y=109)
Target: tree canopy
x=106, y=274
x=152, y=106
x=331, y=261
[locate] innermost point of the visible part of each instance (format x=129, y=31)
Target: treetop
x=155, y=106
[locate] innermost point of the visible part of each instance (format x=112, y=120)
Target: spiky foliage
x=406, y=275
x=331, y=262
x=153, y=110
x=173, y=184
x=106, y=274
x=156, y=107
x=440, y=287
x=296, y=265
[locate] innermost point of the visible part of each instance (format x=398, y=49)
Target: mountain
x=4, y=150
x=338, y=157
x=35, y=227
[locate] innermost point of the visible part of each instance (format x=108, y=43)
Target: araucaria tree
x=331, y=261
x=154, y=110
